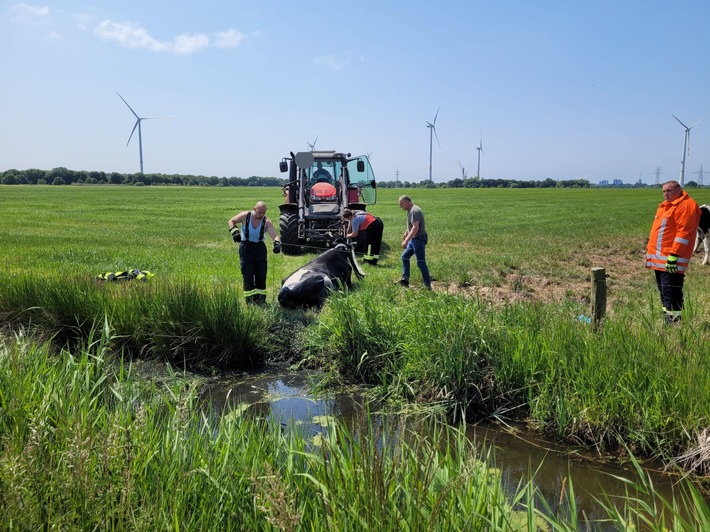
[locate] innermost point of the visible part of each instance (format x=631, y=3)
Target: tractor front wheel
x=288, y=229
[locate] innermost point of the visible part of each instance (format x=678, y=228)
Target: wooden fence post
x=598, y=295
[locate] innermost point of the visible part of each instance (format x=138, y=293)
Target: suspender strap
x=247, y=226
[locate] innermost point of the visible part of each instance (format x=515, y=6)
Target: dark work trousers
x=369, y=241
x=252, y=261
x=670, y=286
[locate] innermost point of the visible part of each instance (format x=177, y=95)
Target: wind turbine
x=312, y=147
x=138, y=125
x=480, y=150
x=432, y=131
x=463, y=171
x=686, y=147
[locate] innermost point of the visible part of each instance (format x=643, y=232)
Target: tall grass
x=185, y=323
x=88, y=445
x=621, y=386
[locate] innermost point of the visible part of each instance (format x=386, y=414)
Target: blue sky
x=557, y=89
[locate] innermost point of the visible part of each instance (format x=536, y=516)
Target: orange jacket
x=673, y=233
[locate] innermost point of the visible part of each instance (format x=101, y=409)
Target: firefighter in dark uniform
x=252, y=249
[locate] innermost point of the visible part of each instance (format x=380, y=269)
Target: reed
x=188, y=324
x=537, y=362
x=88, y=443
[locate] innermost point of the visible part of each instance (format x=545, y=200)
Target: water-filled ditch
x=285, y=397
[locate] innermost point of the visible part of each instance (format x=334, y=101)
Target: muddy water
x=285, y=398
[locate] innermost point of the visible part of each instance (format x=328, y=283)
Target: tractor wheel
x=288, y=229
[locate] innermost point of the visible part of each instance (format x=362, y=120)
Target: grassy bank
x=498, y=337
x=88, y=445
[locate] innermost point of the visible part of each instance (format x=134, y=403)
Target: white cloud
x=26, y=11
x=229, y=39
x=338, y=61
x=187, y=44
x=131, y=35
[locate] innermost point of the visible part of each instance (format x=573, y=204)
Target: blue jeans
x=416, y=247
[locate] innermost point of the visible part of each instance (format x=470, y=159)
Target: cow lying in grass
x=704, y=232
x=310, y=285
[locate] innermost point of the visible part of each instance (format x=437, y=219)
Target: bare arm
x=349, y=233
x=410, y=234
x=237, y=219
x=272, y=232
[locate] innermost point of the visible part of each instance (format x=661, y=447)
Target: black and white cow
x=704, y=232
x=310, y=285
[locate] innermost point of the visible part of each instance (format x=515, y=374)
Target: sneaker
x=403, y=282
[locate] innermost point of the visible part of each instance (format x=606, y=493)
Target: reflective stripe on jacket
x=673, y=233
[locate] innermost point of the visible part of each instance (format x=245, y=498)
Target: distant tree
x=9, y=178
x=58, y=181
x=61, y=173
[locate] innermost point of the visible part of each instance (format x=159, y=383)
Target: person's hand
x=672, y=264
x=236, y=235
x=277, y=246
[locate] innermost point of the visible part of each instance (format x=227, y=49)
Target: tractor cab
x=321, y=185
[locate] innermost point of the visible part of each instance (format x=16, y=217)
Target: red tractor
x=321, y=184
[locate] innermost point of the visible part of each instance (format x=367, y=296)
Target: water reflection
x=286, y=398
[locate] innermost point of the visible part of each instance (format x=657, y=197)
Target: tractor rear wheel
x=288, y=229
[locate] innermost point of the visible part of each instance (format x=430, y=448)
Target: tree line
x=64, y=176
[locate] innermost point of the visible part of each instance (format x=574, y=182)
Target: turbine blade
x=133, y=131
x=437, y=114
x=437, y=136
x=681, y=123
x=155, y=117
x=124, y=101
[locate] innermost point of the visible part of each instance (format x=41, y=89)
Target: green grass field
x=499, y=333
x=480, y=236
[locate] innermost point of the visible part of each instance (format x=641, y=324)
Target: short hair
x=405, y=198
x=347, y=213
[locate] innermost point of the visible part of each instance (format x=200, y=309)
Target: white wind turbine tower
x=686, y=148
x=463, y=171
x=138, y=125
x=432, y=132
x=480, y=150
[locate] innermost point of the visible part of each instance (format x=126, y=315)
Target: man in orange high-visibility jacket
x=670, y=246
